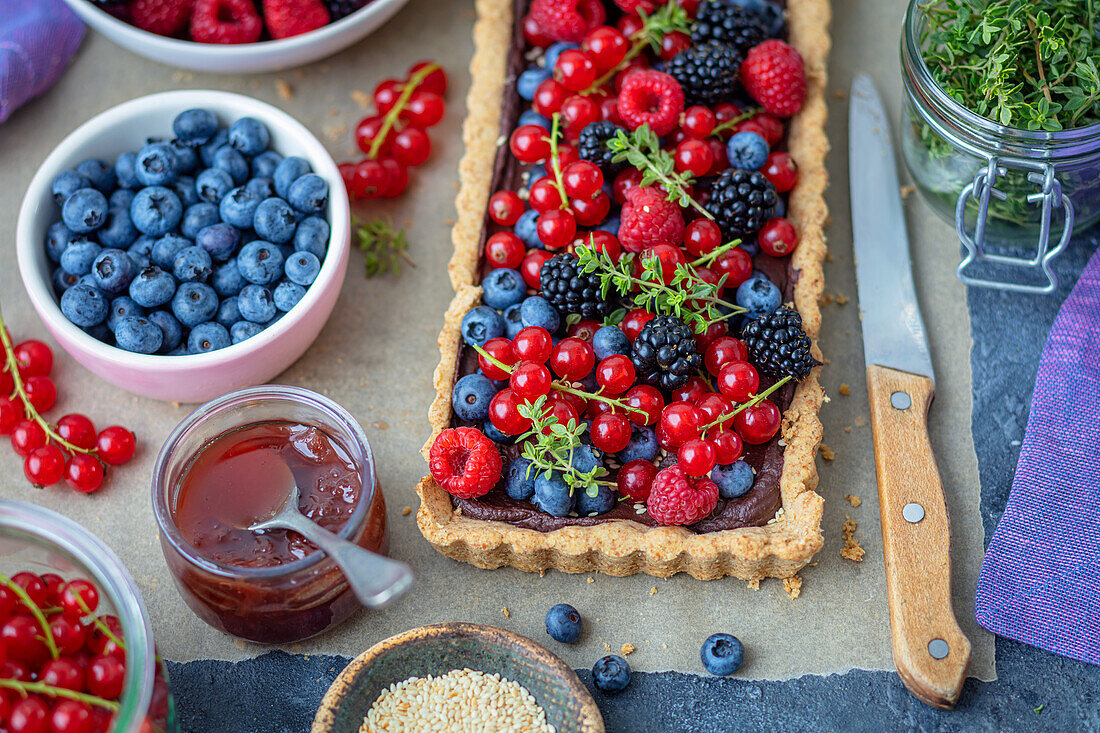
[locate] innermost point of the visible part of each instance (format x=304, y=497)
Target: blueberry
x=309, y=194
x=260, y=262
x=287, y=295
x=228, y=312
x=256, y=303
x=751, y=248
x=770, y=13
x=113, y=270
x=187, y=160
x=213, y=145
x=121, y=198
x=194, y=303
x=525, y=229
x=101, y=175
x=563, y=623
x=220, y=240
x=121, y=307
x=643, y=445
x=195, y=126
x=722, y=654
x=249, y=136
x=779, y=210
x=184, y=186
x=758, y=295
x=531, y=117
x=141, y=251
x=610, y=340
x=537, y=311
x=275, y=220
x=213, y=184
x=733, y=480
x=166, y=249
x=138, y=334
x=262, y=188
x=124, y=170
x=192, y=264
x=611, y=674
x=197, y=217
x=601, y=500
x=556, y=50
x=471, y=396
x=302, y=268
x=552, y=495
x=58, y=237
x=118, y=230
x=529, y=81
x=233, y=163
x=584, y=459
x=519, y=482
x=66, y=184
x=156, y=210
x=79, y=256
x=84, y=305
x=156, y=165
x=747, y=150
x=227, y=279
x=481, y=324
x=502, y=288
x=289, y=170
x=611, y=225
x=239, y=207
x=513, y=321
x=170, y=329
x=207, y=337
x=84, y=210
x=493, y=433
x=536, y=173
x=152, y=287
x=62, y=280
x=264, y=164
x=312, y=236
x=242, y=330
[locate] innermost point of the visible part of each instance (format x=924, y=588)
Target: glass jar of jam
x=222, y=469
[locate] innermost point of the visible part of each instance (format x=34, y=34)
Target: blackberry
x=342, y=8
x=707, y=72
x=777, y=344
x=592, y=144
x=664, y=353
x=733, y=25
x=570, y=290
x=741, y=201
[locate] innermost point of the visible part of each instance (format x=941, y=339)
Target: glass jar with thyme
x=1002, y=123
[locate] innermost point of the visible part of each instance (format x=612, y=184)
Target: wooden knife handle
x=916, y=539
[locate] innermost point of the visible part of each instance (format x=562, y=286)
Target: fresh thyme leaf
x=642, y=150
x=383, y=246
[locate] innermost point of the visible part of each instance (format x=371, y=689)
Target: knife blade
x=930, y=651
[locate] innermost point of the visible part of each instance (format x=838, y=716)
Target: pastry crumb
x=283, y=89
x=361, y=98
x=826, y=452
x=906, y=191
x=653, y=591
x=406, y=511
x=754, y=584
x=841, y=299
x=626, y=649
x=853, y=499
x=861, y=421
x=542, y=573
x=793, y=586
x=449, y=222
x=845, y=390
x=847, y=428
x=852, y=550
x=606, y=646
x=380, y=425
x=335, y=132
x=505, y=611
x=826, y=299
x=591, y=580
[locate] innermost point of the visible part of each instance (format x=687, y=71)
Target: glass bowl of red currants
x=76, y=646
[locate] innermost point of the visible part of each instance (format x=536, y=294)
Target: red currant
x=577, y=113
x=736, y=265
x=615, y=373
x=566, y=154
x=722, y=351
x=591, y=212
x=696, y=457
x=635, y=480
x=504, y=413
x=778, y=237
x=625, y=181
x=29, y=715
x=44, y=466
x=782, y=171
x=694, y=157
x=83, y=473
x=630, y=24
x=68, y=633
x=115, y=445
x=71, y=716
x=397, y=178
x=533, y=343
x=726, y=111
x=369, y=179
x=610, y=432
x=749, y=126
x=78, y=430
x=669, y=257
x=721, y=158
x=544, y=195
x=347, y=174
x=10, y=415
x=698, y=121
x=609, y=110
x=758, y=423
x=680, y=422
x=634, y=321
x=572, y=359
x=54, y=583
x=41, y=392
x=105, y=676
x=504, y=249
x=7, y=384
x=529, y=143
x=434, y=81
x=600, y=241
x=22, y=639
x=713, y=406
x=64, y=673
x=549, y=97
x=561, y=410
x=424, y=109
x=582, y=179
x=585, y=329
x=673, y=43
x=738, y=381
x=370, y=128
x=530, y=380
x=701, y=237
x=772, y=127
x=79, y=598
x=556, y=228
x=411, y=147
x=606, y=47
x=34, y=358
x=648, y=400
x=33, y=586
x=531, y=267
x=706, y=338
x=26, y=436
x=499, y=349
x=727, y=446
x=575, y=70
x=505, y=208
x=100, y=642
x=386, y=94
x=692, y=390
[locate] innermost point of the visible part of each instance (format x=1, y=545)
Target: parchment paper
x=377, y=353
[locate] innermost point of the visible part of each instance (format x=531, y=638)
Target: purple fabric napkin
x=37, y=39
x=1040, y=580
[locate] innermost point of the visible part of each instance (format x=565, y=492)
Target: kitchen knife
x=930, y=651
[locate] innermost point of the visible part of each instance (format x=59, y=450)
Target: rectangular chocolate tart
x=774, y=529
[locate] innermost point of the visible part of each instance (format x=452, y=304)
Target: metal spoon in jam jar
x=375, y=579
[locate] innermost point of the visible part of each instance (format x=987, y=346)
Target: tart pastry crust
x=778, y=549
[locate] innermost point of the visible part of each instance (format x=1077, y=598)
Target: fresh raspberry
x=677, y=498
x=464, y=462
x=651, y=98
x=286, y=18
x=225, y=21
x=633, y=6
x=649, y=218
x=567, y=20
x=164, y=17
x=773, y=74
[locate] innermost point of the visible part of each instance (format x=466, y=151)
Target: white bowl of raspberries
x=186, y=244
x=235, y=36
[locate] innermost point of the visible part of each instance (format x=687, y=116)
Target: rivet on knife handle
x=930, y=651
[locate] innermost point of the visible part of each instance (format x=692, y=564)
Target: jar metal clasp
x=1048, y=196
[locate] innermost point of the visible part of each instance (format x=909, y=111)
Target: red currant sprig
x=389, y=121
x=754, y=401
x=669, y=19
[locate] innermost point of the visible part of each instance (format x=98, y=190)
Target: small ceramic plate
x=440, y=648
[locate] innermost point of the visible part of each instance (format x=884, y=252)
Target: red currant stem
x=41, y=688
x=390, y=119
x=98, y=622
x=33, y=607
x=555, y=134
x=654, y=28
x=710, y=257
x=20, y=390
x=640, y=43
x=755, y=400
x=733, y=122
x=561, y=387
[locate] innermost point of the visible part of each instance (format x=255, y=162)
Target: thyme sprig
x=549, y=446
x=669, y=18
x=687, y=296
x=752, y=402
x=383, y=246
x=642, y=149
x=1025, y=64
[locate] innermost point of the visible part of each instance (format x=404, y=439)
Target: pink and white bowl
x=195, y=377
